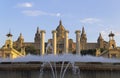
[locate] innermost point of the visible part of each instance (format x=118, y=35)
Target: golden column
x=54, y=42
x=66, y=46
x=42, y=45
x=78, y=41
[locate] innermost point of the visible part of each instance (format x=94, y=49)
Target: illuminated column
x=66, y=42
x=42, y=45
x=54, y=43
x=78, y=42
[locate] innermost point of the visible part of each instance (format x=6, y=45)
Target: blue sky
x=24, y=16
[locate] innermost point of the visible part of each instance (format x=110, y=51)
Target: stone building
x=8, y=51
x=112, y=50
x=62, y=37
x=36, y=44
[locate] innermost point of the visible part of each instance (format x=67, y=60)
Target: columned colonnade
x=54, y=42
x=66, y=42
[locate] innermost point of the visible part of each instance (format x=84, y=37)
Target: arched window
x=113, y=46
x=8, y=46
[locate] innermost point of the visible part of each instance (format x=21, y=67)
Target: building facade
x=61, y=40
x=8, y=51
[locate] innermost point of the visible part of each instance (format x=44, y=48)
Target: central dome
x=60, y=30
x=60, y=27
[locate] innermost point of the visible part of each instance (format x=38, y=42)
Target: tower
x=20, y=41
x=8, y=51
x=83, y=40
x=60, y=37
x=112, y=43
x=100, y=41
x=9, y=43
x=37, y=39
x=60, y=30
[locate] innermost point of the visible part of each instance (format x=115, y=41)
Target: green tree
x=89, y=52
x=30, y=50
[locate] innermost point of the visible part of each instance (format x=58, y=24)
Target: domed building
x=60, y=42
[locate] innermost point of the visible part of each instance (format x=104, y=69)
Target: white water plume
x=62, y=57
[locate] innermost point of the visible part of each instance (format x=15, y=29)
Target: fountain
x=75, y=69
x=49, y=46
x=60, y=66
x=52, y=64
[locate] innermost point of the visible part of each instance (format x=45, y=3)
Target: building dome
x=60, y=30
x=111, y=34
x=60, y=27
x=9, y=35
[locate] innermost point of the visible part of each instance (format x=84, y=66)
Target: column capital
x=42, y=31
x=77, y=31
x=66, y=31
x=54, y=31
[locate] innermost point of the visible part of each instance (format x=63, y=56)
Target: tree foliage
x=89, y=52
x=30, y=50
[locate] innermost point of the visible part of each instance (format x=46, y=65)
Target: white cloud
x=39, y=13
x=90, y=20
x=26, y=4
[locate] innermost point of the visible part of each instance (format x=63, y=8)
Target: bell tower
x=112, y=43
x=83, y=40
x=20, y=41
x=100, y=41
x=9, y=43
x=37, y=39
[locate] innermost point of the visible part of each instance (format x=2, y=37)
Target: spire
x=83, y=30
x=37, y=36
x=20, y=34
x=9, y=34
x=38, y=31
x=21, y=37
x=60, y=22
x=100, y=37
x=83, y=34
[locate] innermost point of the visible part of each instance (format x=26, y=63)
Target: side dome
x=111, y=34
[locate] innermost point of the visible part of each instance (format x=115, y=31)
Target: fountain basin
x=60, y=66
